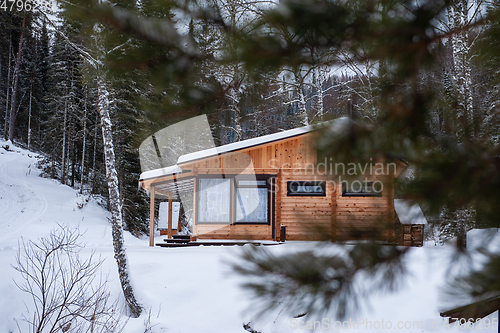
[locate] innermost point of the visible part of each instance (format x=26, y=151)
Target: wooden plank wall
x=296, y=152
x=366, y=217
x=305, y=217
x=241, y=231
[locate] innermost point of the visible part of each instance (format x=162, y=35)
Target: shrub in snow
x=67, y=291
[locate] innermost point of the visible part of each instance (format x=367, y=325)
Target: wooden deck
x=176, y=242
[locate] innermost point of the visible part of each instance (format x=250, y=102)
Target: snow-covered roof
x=161, y=172
x=244, y=144
x=409, y=212
x=334, y=125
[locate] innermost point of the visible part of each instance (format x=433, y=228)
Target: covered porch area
x=167, y=183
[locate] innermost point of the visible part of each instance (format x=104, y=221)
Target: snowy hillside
x=182, y=289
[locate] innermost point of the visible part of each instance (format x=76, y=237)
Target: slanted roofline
x=171, y=170
x=235, y=146
x=231, y=147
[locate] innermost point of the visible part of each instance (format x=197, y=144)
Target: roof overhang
x=158, y=173
x=245, y=144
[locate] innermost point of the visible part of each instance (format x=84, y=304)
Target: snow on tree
x=115, y=206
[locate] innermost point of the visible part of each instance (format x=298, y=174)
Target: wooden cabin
x=253, y=188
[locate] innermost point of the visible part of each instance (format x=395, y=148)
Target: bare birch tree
x=15, y=85
x=115, y=205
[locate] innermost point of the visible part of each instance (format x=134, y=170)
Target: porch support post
x=333, y=210
x=152, y=216
x=195, y=217
x=277, y=206
x=232, y=218
x=170, y=215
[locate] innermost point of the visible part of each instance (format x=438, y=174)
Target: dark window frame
x=265, y=178
x=233, y=188
x=362, y=193
x=290, y=193
x=216, y=176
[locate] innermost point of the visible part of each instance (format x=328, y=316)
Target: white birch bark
x=458, y=15
x=234, y=98
x=115, y=205
x=63, y=156
x=5, y=129
x=84, y=143
x=319, y=80
x=29, y=121
x=302, y=107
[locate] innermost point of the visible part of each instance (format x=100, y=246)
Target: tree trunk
x=63, y=157
x=73, y=163
x=6, y=123
x=29, y=121
x=94, y=154
x=17, y=69
x=115, y=205
x=319, y=80
x=304, y=119
x=82, y=175
x=461, y=63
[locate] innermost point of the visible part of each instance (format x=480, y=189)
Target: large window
x=241, y=199
x=252, y=201
x=214, y=200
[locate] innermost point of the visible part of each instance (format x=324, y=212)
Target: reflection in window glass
x=252, y=183
x=306, y=188
x=251, y=205
x=214, y=200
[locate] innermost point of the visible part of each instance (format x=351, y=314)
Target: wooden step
x=188, y=237
x=181, y=241
x=179, y=244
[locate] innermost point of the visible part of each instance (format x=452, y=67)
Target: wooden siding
x=294, y=152
x=367, y=217
x=237, y=231
x=305, y=217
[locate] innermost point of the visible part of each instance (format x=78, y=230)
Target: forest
x=53, y=92
x=86, y=82
x=48, y=90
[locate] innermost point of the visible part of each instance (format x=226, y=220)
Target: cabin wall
x=333, y=216
x=238, y=231
x=363, y=218
x=305, y=217
x=296, y=152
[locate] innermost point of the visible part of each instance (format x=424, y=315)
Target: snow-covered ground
x=189, y=289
